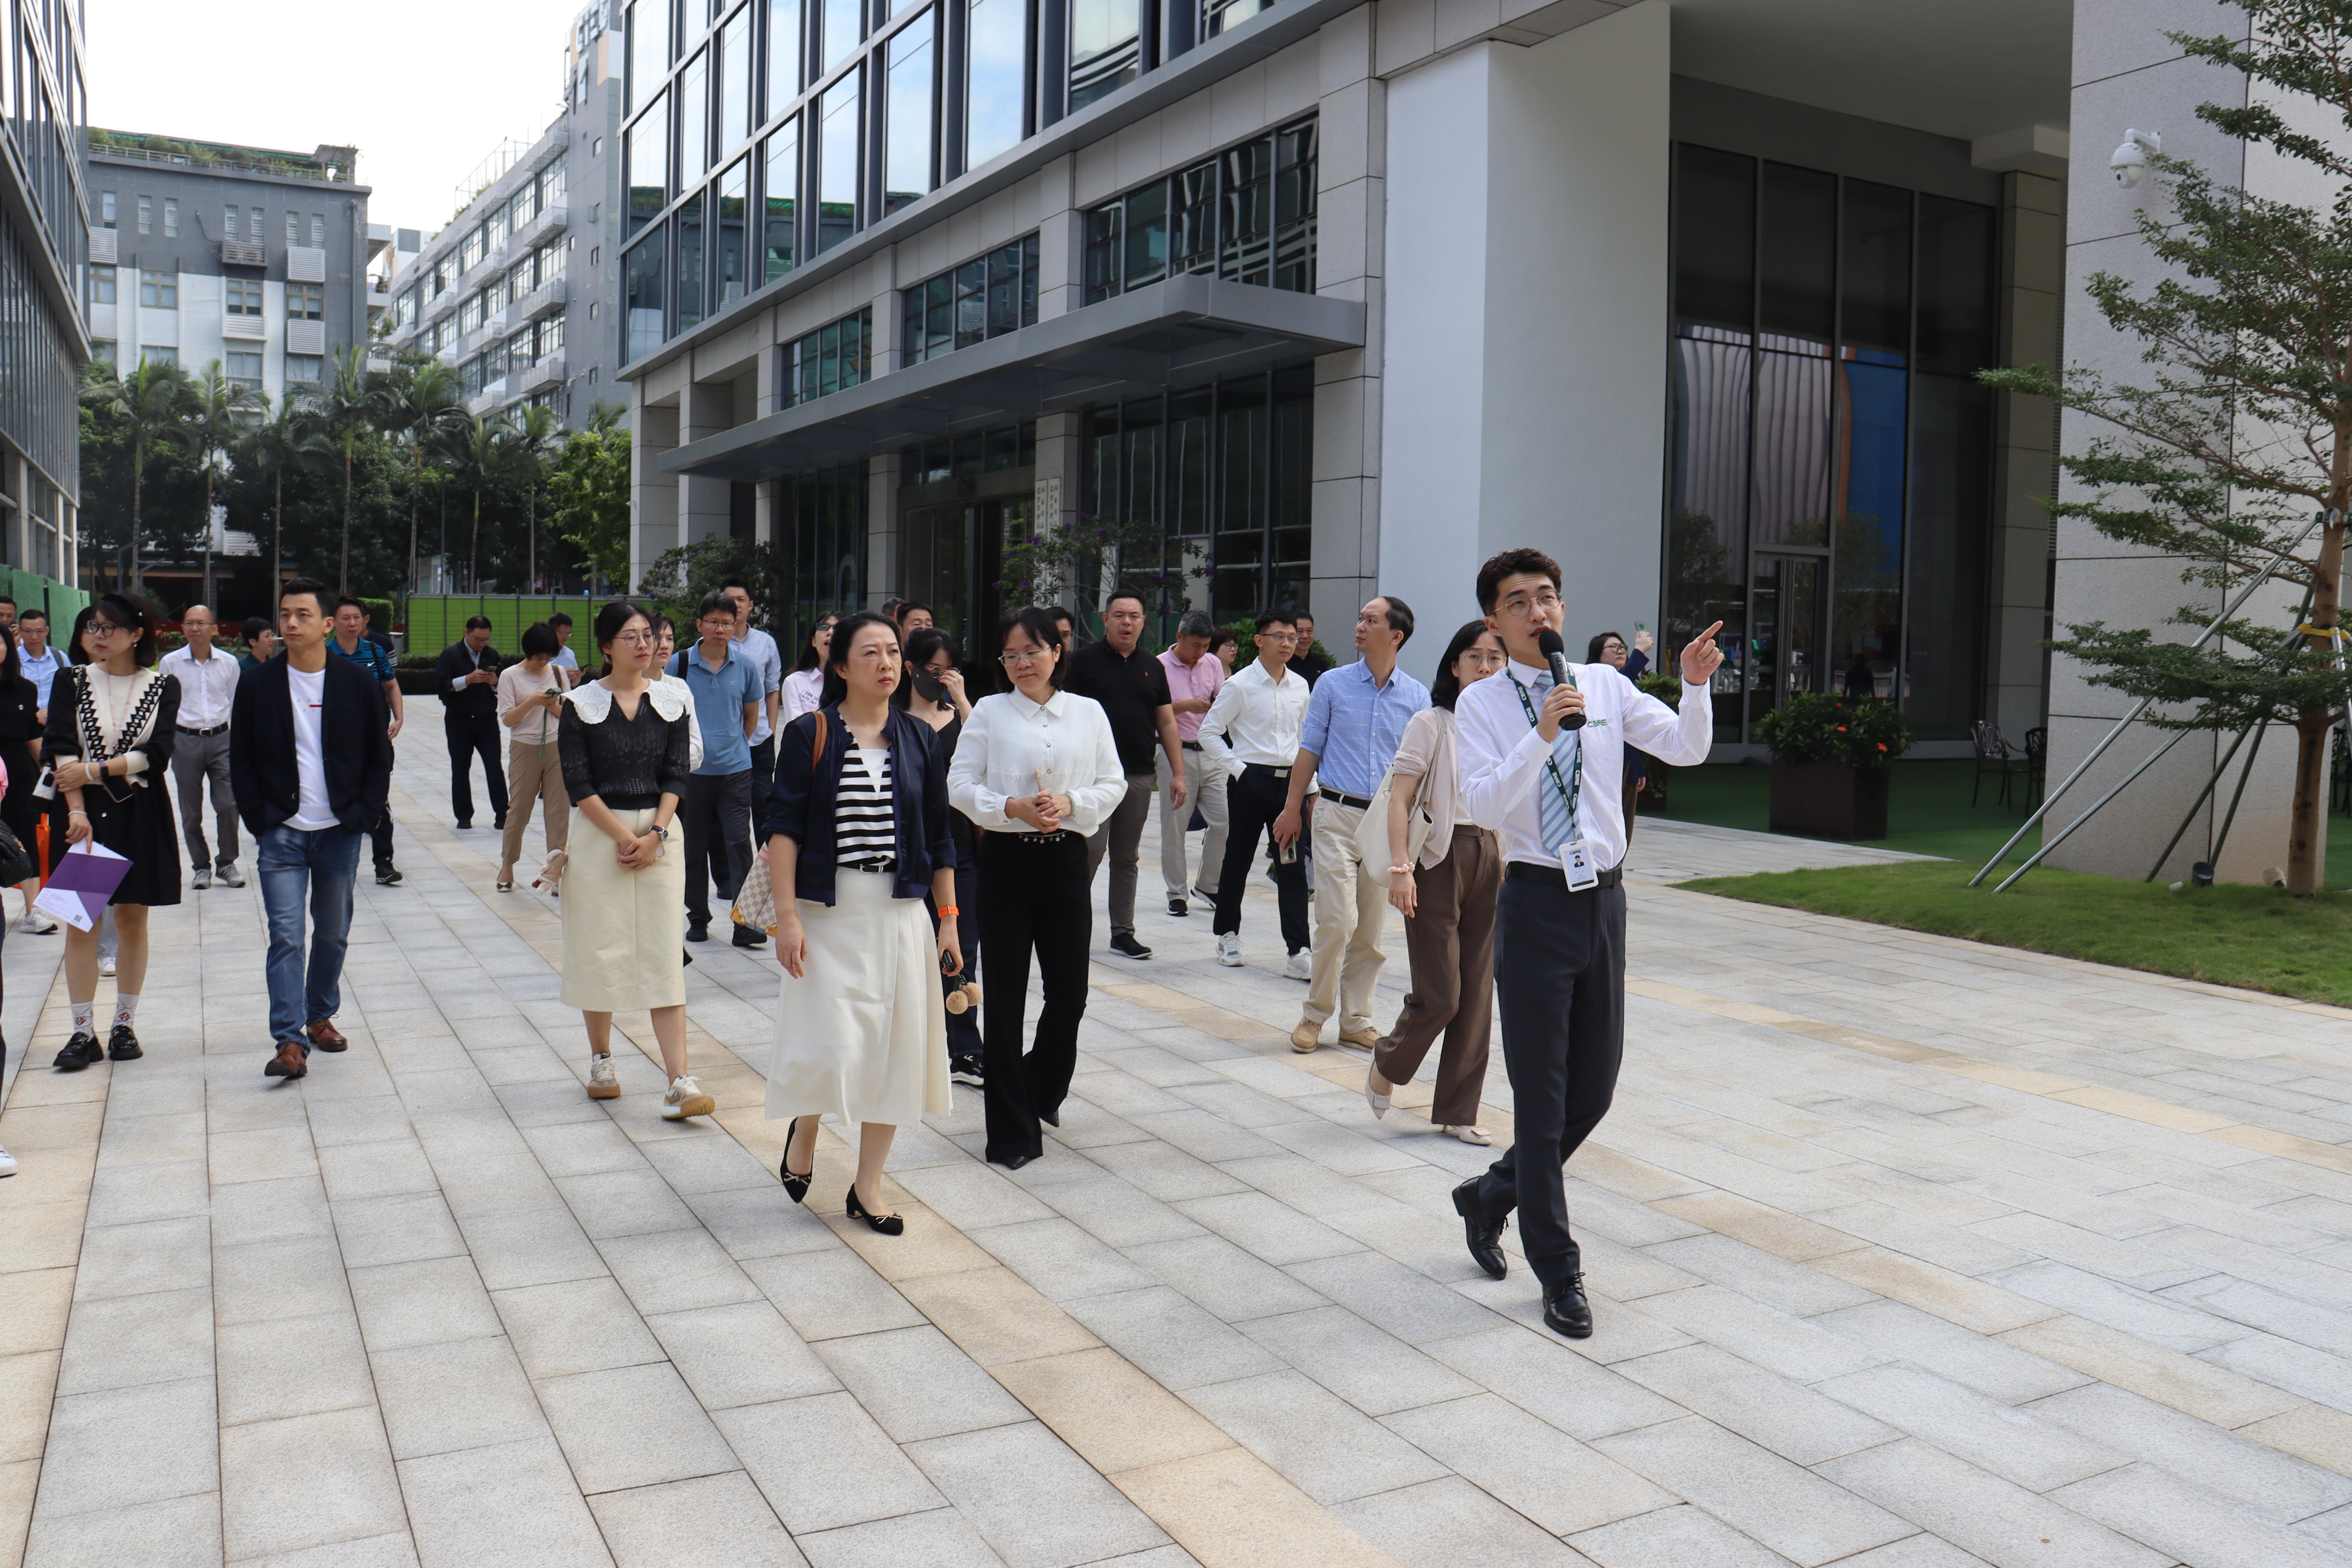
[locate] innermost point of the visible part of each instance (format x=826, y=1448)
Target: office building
x=516, y=292
x=251, y=255
x=44, y=222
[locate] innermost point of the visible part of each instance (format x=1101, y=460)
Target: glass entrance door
x=1785, y=611
x=953, y=554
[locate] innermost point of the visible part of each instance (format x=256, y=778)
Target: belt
x=872, y=868
x=1035, y=837
x=1192, y=745
x=1266, y=768
x=1359, y=801
x=215, y=730
x=1553, y=876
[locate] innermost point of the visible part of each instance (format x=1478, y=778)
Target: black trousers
x=381, y=834
x=1252, y=803
x=763, y=776
x=1034, y=894
x=472, y=735
x=717, y=815
x=1560, y=959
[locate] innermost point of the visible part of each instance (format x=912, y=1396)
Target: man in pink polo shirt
x=1194, y=678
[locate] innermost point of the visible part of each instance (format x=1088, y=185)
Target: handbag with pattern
x=755, y=901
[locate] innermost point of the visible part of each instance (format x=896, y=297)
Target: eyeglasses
x=1021, y=660
x=636, y=640
x=1521, y=605
x=106, y=629
x=1277, y=636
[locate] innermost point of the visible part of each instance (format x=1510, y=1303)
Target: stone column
x=654, y=495
x=1350, y=225
x=2032, y=284
x=704, y=508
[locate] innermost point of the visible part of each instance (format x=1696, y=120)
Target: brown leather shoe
x=1364, y=1039
x=326, y=1037
x=290, y=1061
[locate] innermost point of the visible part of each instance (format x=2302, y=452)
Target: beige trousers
x=534, y=773
x=1350, y=909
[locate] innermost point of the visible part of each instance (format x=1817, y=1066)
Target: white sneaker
x=1300, y=967
x=200, y=879
x=1229, y=949
x=8, y=1163
x=106, y=965
x=230, y=876
x=36, y=922
x=686, y=1099
x=601, y=1082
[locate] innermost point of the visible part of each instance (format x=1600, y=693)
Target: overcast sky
x=425, y=90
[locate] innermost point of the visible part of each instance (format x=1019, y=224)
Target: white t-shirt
x=306, y=691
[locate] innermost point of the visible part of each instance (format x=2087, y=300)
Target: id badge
x=1576, y=860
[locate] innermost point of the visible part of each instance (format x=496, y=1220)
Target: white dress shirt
x=801, y=690
x=207, y=686
x=1009, y=740
x=1256, y=719
x=1502, y=755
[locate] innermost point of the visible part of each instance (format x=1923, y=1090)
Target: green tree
x=479, y=453
x=218, y=413
x=287, y=438
x=535, y=437
x=2244, y=429
x=422, y=404
x=148, y=407
x=589, y=488
x=350, y=409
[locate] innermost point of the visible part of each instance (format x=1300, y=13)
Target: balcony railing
x=489, y=397
x=544, y=301
x=547, y=372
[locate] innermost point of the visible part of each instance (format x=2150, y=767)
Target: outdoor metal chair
x=2037, y=764
x=1994, y=755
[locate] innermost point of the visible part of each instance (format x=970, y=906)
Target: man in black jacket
x=467, y=678
x=309, y=762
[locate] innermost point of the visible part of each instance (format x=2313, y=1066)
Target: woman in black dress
x=112, y=718
x=20, y=744
x=933, y=692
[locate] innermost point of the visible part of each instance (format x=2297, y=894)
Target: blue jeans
x=326, y=861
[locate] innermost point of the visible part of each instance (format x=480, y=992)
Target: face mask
x=929, y=686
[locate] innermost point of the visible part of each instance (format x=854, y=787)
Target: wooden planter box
x=1828, y=800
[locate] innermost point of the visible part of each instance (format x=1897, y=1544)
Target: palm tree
x=217, y=413
x=479, y=454
x=535, y=438
x=350, y=407
x=424, y=403
x=289, y=438
x=148, y=402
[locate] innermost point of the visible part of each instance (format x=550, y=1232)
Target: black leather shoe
x=465, y=824
x=1011, y=1162
x=1126, y=946
x=499, y=821
x=881, y=1224
x=123, y=1045
x=697, y=930
x=1051, y=1118
x=1566, y=1311
x=1484, y=1234
x=80, y=1052
x=747, y=936
x=388, y=875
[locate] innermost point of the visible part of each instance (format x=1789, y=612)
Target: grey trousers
x=1204, y=786
x=194, y=759
x=1121, y=837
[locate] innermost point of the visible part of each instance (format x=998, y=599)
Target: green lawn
x=1928, y=809
x=2259, y=938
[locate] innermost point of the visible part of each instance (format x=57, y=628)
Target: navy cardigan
x=801, y=806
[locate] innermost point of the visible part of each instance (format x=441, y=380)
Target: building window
x=245, y=370
x=694, y=119
x=647, y=155
x=242, y=296
x=907, y=163
x=159, y=290
x=157, y=354
x=649, y=46
x=146, y=214
x=643, y=270
x=104, y=349
x=689, y=225
x=1227, y=473
x=837, y=161
x=232, y=222
x=1106, y=48
x=1223, y=15
x=596, y=147
x=734, y=201
x=842, y=27
x=826, y=513
x=305, y=301
x=469, y=313
x=986, y=298
x=784, y=52
x=996, y=46
x=318, y=228
x=735, y=82
x=293, y=228
x=101, y=285
x=781, y=177
x=1247, y=214
x=1829, y=454
x=170, y=217
x=835, y=357
x=106, y=209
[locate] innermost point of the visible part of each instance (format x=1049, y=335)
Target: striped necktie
x=1559, y=821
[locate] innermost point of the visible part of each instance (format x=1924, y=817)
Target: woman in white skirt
x=858, y=833
x=622, y=741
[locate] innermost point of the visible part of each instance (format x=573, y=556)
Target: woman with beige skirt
x=857, y=826
x=622, y=741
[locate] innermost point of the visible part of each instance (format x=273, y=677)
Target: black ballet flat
x=884, y=1224
x=1051, y=1118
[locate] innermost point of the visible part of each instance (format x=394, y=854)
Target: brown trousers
x=534, y=773
x=1450, y=941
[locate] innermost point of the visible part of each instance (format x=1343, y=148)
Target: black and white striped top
x=864, y=827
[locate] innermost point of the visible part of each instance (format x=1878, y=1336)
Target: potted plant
x=1830, y=757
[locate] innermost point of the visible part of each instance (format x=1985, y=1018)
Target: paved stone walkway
x=1906, y=1254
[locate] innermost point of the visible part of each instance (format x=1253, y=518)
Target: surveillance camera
x=2130, y=160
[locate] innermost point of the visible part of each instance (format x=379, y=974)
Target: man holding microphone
x=1542, y=760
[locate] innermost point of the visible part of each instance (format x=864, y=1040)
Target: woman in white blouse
x=1037, y=770
x=801, y=687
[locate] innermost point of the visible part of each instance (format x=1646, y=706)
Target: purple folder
x=85, y=878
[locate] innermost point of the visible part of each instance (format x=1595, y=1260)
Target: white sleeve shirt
x=207, y=687
x=1009, y=743
x=1502, y=755
x=1256, y=719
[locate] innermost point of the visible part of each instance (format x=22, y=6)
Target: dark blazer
x=457, y=660
x=800, y=804
x=357, y=751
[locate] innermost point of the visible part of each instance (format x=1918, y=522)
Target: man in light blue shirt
x=769, y=660
x=39, y=661
x=565, y=659
x=1354, y=720
x=717, y=811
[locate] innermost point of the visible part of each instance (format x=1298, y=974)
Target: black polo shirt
x=1131, y=690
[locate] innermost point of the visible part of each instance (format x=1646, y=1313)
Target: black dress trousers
x=1034, y=894
x=472, y=735
x=1252, y=803
x=1560, y=966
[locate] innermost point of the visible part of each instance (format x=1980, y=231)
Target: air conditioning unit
x=243, y=253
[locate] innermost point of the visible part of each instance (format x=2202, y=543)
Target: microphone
x=1555, y=654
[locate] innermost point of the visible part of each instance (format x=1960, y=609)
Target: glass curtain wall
x=908, y=166
x=826, y=568
x=1829, y=450
x=996, y=44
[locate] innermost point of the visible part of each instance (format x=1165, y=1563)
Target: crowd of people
x=889, y=834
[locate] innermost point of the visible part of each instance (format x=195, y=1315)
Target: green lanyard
x=1572, y=789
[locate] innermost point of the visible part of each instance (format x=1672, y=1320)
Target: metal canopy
x=1184, y=332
